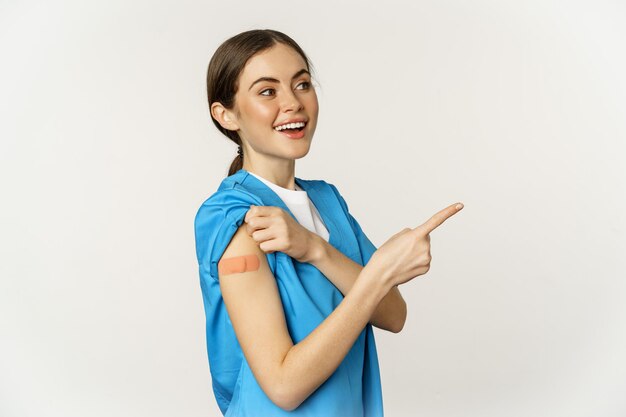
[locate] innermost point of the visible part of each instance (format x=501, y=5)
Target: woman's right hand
x=406, y=254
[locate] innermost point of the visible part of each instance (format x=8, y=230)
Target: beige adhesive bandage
x=238, y=264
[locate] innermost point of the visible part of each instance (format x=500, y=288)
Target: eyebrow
x=274, y=80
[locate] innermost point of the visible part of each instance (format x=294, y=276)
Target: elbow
x=399, y=323
x=397, y=329
x=283, y=390
x=285, y=398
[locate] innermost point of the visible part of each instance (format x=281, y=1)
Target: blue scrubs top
x=308, y=297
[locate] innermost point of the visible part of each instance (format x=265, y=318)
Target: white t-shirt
x=301, y=206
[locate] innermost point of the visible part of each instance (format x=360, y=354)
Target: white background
x=517, y=109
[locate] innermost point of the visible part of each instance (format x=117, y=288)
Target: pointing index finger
x=437, y=219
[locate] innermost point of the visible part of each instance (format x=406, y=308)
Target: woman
x=289, y=306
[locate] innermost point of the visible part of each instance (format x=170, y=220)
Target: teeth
x=290, y=126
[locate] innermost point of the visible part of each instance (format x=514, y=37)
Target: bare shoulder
x=254, y=306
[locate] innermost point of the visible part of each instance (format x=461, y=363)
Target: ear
x=224, y=117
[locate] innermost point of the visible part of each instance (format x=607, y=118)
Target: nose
x=290, y=102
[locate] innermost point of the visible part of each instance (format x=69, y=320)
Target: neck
x=282, y=175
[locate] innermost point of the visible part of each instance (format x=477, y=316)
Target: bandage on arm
x=238, y=264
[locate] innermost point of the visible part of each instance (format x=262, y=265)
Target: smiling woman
x=259, y=84
x=289, y=304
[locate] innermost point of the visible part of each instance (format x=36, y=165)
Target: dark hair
x=226, y=65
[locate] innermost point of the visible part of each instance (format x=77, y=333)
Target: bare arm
x=343, y=272
x=289, y=373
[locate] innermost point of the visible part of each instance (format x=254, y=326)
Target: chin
x=301, y=153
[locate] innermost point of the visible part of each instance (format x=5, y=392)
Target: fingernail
x=459, y=206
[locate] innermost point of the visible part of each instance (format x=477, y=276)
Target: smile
x=292, y=130
x=296, y=126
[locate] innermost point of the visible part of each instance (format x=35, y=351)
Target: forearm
x=390, y=314
x=313, y=360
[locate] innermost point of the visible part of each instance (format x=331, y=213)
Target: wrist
x=376, y=282
x=317, y=249
x=371, y=271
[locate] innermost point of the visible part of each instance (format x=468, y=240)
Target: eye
x=306, y=85
x=262, y=93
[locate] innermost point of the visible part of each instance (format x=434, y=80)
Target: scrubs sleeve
x=215, y=224
x=365, y=244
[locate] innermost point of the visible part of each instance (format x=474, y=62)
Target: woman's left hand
x=277, y=231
